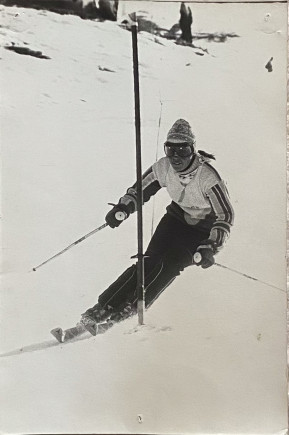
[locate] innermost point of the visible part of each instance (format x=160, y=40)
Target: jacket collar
x=195, y=164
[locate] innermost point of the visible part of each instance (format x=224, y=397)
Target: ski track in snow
x=209, y=358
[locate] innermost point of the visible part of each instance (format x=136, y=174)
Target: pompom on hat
x=180, y=133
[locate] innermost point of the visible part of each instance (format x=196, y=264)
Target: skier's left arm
x=224, y=219
x=220, y=202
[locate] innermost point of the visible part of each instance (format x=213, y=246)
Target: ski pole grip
x=197, y=258
x=120, y=215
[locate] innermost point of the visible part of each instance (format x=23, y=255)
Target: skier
x=198, y=219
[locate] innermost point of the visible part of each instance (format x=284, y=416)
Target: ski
x=64, y=335
x=98, y=328
x=58, y=333
x=93, y=327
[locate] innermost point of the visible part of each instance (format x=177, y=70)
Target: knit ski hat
x=181, y=132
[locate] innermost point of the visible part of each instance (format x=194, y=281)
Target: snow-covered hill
x=212, y=355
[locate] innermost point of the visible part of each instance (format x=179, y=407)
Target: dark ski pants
x=170, y=250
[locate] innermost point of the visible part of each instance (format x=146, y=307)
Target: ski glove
x=116, y=215
x=207, y=251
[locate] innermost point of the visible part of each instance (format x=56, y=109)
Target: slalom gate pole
x=70, y=246
x=140, y=256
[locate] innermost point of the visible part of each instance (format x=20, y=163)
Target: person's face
x=180, y=156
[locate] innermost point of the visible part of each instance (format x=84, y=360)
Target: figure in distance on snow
x=198, y=219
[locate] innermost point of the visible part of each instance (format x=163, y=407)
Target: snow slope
x=212, y=356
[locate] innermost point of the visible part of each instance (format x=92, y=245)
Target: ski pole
x=198, y=259
x=119, y=216
x=139, y=200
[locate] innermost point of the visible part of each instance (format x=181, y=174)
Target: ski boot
x=95, y=319
x=124, y=312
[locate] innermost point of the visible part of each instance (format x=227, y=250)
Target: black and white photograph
x=143, y=217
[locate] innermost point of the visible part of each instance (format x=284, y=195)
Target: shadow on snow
x=36, y=347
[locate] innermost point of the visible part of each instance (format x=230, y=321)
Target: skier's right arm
x=128, y=203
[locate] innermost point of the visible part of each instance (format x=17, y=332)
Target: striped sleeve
x=150, y=186
x=220, y=202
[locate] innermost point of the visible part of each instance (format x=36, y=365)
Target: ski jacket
x=199, y=196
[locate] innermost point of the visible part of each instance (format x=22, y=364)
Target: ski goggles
x=182, y=150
